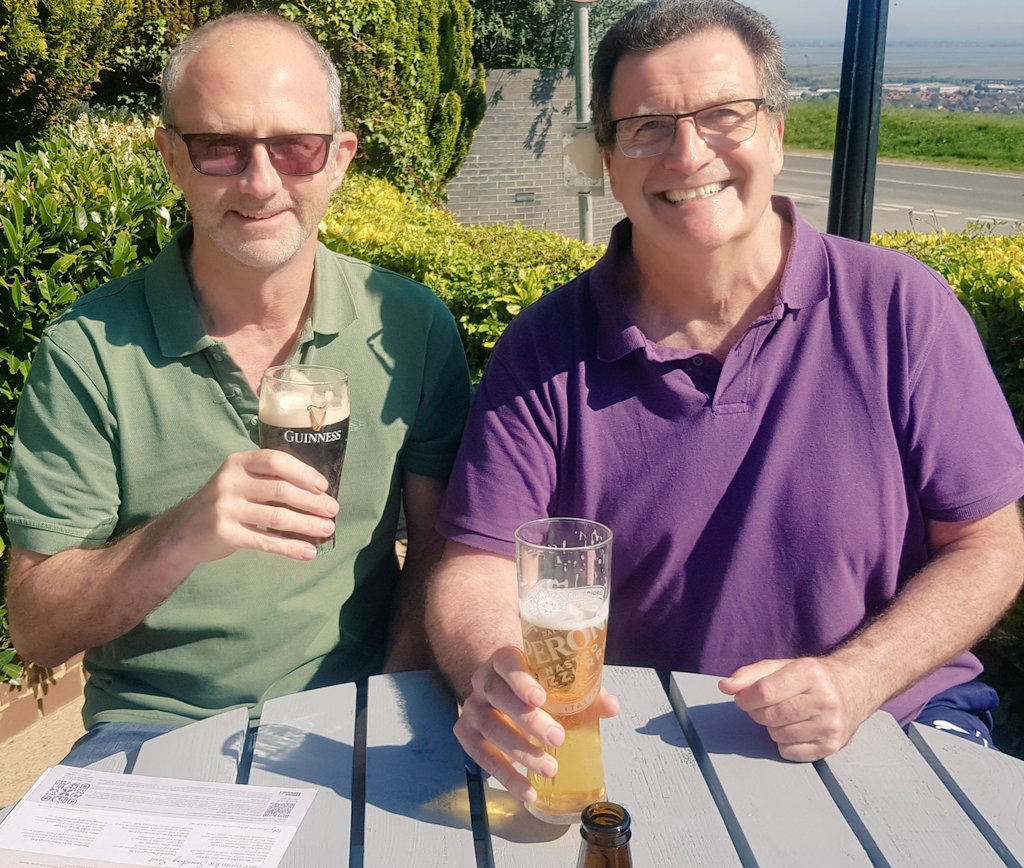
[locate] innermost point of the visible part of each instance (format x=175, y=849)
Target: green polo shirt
x=131, y=407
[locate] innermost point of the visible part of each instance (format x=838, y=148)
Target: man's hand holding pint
x=503, y=722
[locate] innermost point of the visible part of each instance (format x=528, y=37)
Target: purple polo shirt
x=764, y=507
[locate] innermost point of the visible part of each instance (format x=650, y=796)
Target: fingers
x=748, y=675
x=280, y=465
x=801, y=703
x=264, y=500
x=607, y=704
x=502, y=723
x=506, y=684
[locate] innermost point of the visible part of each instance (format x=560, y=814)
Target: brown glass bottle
x=605, y=831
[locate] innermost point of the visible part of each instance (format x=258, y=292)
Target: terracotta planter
x=42, y=692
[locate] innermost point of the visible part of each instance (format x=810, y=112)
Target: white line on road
x=923, y=184
x=789, y=171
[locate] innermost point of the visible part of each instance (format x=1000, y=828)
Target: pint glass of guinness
x=563, y=566
x=304, y=411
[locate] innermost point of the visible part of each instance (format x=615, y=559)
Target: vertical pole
x=852, y=192
x=581, y=25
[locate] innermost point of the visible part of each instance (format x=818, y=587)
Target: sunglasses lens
x=219, y=155
x=299, y=154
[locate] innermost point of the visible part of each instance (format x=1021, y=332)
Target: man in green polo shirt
x=147, y=528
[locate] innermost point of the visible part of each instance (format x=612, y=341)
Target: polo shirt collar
x=334, y=305
x=172, y=307
x=175, y=315
x=805, y=281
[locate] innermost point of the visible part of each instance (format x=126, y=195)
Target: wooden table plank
x=778, y=813
x=116, y=763
x=987, y=784
x=307, y=740
x=651, y=770
x=417, y=803
x=208, y=750
x=911, y=818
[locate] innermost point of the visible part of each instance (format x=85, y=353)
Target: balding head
x=232, y=31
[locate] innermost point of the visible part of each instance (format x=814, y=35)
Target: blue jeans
x=106, y=739
x=964, y=711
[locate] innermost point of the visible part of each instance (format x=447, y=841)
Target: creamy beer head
x=290, y=398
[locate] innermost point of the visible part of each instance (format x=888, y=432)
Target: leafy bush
x=92, y=203
x=410, y=90
x=485, y=274
x=50, y=53
x=132, y=77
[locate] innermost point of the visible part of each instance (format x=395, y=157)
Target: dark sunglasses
x=222, y=154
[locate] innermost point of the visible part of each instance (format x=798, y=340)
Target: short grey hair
x=658, y=23
x=193, y=43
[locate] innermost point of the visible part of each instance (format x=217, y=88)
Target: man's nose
x=260, y=177
x=687, y=147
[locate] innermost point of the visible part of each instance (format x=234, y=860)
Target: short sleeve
x=964, y=450
x=62, y=488
x=433, y=438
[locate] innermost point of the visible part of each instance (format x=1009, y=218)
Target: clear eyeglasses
x=727, y=123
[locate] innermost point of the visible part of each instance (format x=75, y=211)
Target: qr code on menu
x=63, y=792
x=279, y=809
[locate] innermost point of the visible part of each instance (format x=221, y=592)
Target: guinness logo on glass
x=317, y=415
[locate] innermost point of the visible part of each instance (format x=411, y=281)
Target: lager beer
x=563, y=565
x=563, y=636
x=304, y=411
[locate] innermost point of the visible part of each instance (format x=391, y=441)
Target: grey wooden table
x=703, y=783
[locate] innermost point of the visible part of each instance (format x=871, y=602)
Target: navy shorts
x=964, y=710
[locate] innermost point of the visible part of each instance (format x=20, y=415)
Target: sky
x=991, y=20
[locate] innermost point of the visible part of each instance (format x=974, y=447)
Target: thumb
x=749, y=674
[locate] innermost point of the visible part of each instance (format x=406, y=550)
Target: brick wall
x=43, y=692
x=514, y=169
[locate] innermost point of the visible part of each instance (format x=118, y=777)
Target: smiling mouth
x=677, y=197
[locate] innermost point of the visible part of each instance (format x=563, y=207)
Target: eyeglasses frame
x=252, y=142
x=759, y=103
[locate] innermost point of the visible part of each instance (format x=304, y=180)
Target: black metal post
x=860, y=107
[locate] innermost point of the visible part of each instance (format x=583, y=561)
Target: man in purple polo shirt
x=808, y=465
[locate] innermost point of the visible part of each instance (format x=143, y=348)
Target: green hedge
x=485, y=274
x=51, y=51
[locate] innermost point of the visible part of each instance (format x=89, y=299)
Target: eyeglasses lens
x=300, y=154
x=651, y=135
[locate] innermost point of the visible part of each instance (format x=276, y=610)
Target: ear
x=164, y=141
x=777, y=134
x=606, y=158
x=344, y=152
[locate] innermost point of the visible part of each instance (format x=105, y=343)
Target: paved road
x=917, y=197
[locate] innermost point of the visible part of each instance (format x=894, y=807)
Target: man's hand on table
x=501, y=715
x=807, y=705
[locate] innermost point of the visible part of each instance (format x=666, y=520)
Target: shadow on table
x=723, y=728
x=398, y=779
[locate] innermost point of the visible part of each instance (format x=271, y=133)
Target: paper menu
x=80, y=818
